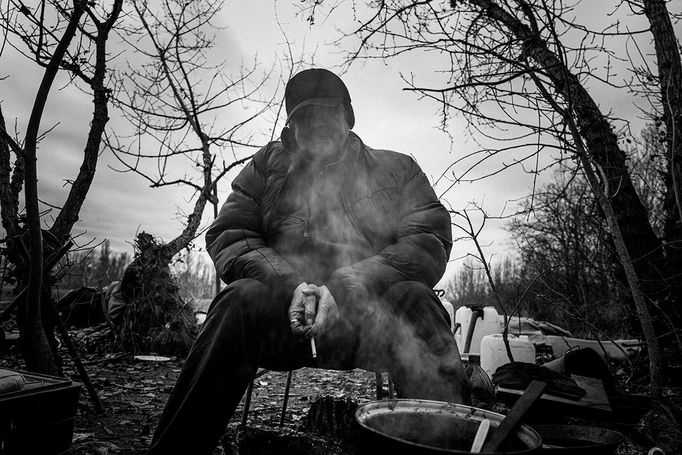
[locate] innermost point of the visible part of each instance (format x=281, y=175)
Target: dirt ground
x=134, y=392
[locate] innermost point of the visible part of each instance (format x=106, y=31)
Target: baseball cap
x=317, y=87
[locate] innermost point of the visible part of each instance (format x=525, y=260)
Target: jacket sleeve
x=419, y=253
x=235, y=240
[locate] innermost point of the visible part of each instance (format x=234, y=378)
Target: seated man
x=321, y=237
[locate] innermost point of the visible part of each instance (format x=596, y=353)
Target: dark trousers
x=405, y=331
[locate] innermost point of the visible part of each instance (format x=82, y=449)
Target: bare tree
x=191, y=120
x=57, y=37
x=188, y=113
x=565, y=239
x=525, y=72
x=669, y=78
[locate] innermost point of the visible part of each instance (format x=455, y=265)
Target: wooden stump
x=335, y=417
x=329, y=429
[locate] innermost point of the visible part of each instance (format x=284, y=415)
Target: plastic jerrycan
x=485, y=321
x=494, y=353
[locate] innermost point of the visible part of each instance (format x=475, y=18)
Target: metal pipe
x=286, y=397
x=247, y=403
x=475, y=314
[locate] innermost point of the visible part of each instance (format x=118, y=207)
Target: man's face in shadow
x=320, y=131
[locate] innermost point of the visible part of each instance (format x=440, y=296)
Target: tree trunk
x=36, y=342
x=11, y=183
x=655, y=274
x=68, y=216
x=602, y=144
x=670, y=80
x=189, y=233
x=643, y=313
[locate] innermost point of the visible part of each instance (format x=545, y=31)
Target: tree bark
x=602, y=144
x=643, y=313
x=40, y=358
x=9, y=186
x=603, y=197
x=656, y=276
x=670, y=81
x=68, y=216
x=190, y=231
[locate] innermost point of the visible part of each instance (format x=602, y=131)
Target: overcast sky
x=119, y=205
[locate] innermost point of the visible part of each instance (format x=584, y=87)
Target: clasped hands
x=312, y=310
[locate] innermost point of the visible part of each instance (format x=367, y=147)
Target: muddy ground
x=133, y=393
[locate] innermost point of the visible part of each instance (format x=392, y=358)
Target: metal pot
x=578, y=440
x=424, y=427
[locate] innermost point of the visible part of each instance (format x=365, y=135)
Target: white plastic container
x=451, y=311
x=494, y=353
x=487, y=324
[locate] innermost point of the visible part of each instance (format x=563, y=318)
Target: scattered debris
x=662, y=426
x=152, y=358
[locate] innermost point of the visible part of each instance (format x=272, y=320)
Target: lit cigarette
x=313, y=348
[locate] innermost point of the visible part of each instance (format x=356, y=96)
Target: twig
x=473, y=234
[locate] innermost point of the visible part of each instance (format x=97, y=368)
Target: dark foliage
x=157, y=319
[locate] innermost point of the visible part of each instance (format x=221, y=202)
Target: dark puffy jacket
x=401, y=231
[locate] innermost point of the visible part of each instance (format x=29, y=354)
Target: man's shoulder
x=268, y=150
x=391, y=155
x=390, y=159
x=271, y=155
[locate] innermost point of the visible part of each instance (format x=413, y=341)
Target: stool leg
x=379, y=384
x=247, y=403
x=249, y=391
x=286, y=397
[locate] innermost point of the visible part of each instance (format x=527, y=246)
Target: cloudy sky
x=120, y=204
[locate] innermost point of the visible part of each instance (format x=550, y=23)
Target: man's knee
x=244, y=294
x=406, y=294
x=415, y=300
x=403, y=289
